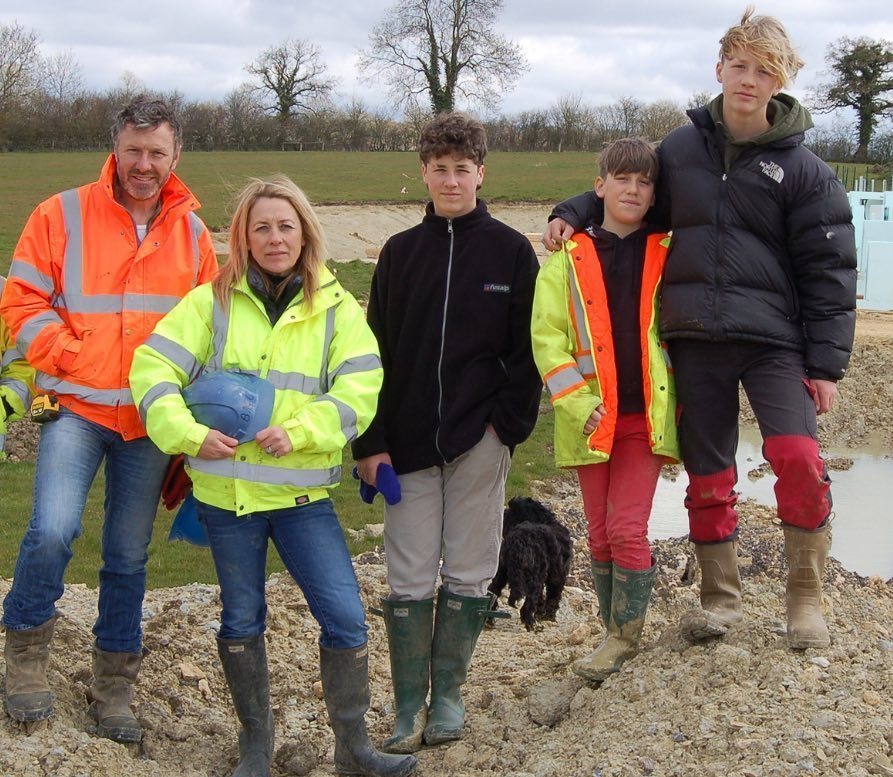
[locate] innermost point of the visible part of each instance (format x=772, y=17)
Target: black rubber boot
x=457, y=626
x=409, y=626
x=27, y=654
x=345, y=683
x=245, y=668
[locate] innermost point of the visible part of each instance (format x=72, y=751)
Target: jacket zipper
x=446, y=303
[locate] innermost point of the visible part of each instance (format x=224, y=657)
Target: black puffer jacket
x=763, y=251
x=450, y=305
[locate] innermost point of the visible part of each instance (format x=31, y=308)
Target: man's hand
x=368, y=468
x=824, y=392
x=556, y=233
x=274, y=440
x=218, y=446
x=593, y=421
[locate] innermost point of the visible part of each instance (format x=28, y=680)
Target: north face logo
x=773, y=170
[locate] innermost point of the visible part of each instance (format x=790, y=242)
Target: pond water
x=863, y=504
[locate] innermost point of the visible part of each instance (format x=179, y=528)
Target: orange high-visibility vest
x=83, y=293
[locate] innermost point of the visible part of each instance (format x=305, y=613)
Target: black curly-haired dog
x=534, y=561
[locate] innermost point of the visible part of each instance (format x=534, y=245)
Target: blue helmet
x=186, y=525
x=238, y=404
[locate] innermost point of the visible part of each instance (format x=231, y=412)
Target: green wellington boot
x=603, y=580
x=631, y=593
x=457, y=626
x=409, y=627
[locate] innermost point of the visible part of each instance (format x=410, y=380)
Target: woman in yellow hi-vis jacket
x=276, y=312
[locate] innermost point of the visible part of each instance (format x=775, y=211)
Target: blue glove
x=386, y=482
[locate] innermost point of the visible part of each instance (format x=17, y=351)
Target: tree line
x=433, y=55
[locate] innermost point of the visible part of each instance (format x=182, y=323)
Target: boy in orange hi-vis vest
x=596, y=344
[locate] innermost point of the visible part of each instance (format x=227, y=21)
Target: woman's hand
x=218, y=446
x=274, y=440
x=367, y=468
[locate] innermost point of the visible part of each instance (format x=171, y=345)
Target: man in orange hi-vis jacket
x=95, y=269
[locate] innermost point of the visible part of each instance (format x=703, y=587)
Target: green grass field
x=327, y=177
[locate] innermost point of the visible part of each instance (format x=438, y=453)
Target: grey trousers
x=453, y=511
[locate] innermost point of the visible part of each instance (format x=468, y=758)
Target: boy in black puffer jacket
x=759, y=289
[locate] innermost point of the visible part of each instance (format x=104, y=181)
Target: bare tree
x=62, y=77
x=699, y=99
x=660, y=118
x=861, y=78
x=19, y=63
x=441, y=49
x=292, y=78
x=571, y=121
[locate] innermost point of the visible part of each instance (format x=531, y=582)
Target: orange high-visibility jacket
x=574, y=351
x=82, y=293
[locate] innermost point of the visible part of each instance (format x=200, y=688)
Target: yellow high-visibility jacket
x=574, y=352
x=324, y=364
x=16, y=378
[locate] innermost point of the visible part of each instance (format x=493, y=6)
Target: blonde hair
x=766, y=39
x=313, y=253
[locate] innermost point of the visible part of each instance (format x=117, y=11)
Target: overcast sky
x=603, y=50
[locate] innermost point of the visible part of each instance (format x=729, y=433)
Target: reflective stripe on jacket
x=574, y=352
x=325, y=367
x=83, y=293
x=16, y=378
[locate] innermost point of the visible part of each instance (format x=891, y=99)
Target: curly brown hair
x=453, y=134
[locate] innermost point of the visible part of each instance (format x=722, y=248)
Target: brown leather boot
x=720, y=593
x=806, y=552
x=27, y=654
x=111, y=693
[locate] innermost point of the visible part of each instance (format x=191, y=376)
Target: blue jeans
x=68, y=457
x=312, y=547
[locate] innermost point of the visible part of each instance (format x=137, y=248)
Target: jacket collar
x=441, y=225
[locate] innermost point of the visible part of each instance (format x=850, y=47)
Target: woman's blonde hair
x=313, y=253
x=765, y=39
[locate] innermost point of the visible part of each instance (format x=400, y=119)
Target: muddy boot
x=111, y=694
x=409, y=627
x=631, y=593
x=245, y=668
x=603, y=580
x=345, y=684
x=806, y=552
x=27, y=654
x=720, y=593
x=457, y=627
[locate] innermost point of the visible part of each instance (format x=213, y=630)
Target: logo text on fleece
x=773, y=170
x=497, y=288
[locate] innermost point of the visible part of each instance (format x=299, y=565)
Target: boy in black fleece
x=759, y=289
x=450, y=305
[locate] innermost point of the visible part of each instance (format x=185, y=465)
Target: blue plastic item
x=387, y=485
x=186, y=525
x=238, y=404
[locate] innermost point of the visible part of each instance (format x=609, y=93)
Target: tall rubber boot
x=345, y=684
x=27, y=654
x=245, y=668
x=603, y=580
x=111, y=695
x=631, y=594
x=806, y=552
x=409, y=627
x=720, y=593
x=457, y=626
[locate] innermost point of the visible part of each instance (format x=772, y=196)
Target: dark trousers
x=774, y=380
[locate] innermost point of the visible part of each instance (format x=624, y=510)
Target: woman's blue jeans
x=70, y=452
x=312, y=547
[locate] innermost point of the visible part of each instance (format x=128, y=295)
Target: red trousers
x=617, y=496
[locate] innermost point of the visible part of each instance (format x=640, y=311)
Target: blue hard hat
x=238, y=404
x=186, y=525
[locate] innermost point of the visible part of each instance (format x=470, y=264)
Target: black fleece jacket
x=450, y=305
x=762, y=248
